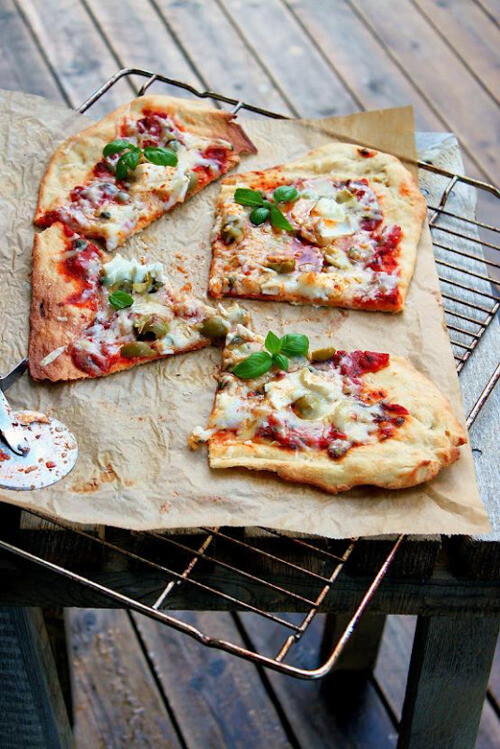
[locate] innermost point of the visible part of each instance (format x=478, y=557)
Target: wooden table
x=297, y=58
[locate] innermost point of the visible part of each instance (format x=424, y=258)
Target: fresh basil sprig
x=120, y=299
x=264, y=209
x=278, y=351
x=130, y=156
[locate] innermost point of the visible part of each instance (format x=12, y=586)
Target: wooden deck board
x=117, y=702
x=437, y=72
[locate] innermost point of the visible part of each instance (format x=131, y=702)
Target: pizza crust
x=399, y=197
x=428, y=441
x=72, y=163
x=55, y=322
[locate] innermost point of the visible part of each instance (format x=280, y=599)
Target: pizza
x=92, y=315
x=339, y=227
x=334, y=419
x=119, y=175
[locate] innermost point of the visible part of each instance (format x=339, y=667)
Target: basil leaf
x=120, y=299
x=126, y=163
x=273, y=343
x=115, y=146
x=244, y=196
x=294, y=344
x=278, y=220
x=285, y=194
x=160, y=156
x=259, y=215
x=253, y=366
x=280, y=361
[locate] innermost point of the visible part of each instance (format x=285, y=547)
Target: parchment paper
x=134, y=468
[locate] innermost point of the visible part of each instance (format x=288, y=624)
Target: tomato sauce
x=83, y=269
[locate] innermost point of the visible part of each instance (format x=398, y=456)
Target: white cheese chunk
x=120, y=269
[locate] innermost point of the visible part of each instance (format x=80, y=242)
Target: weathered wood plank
x=434, y=69
x=491, y=8
x=139, y=38
x=113, y=686
x=443, y=593
x=218, y=700
x=391, y=674
x=76, y=52
x=447, y=682
x=310, y=84
x=471, y=34
x=32, y=709
x=219, y=55
x=361, y=60
x=345, y=713
x=22, y=65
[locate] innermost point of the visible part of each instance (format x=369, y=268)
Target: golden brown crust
x=428, y=441
x=53, y=321
x=400, y=200
x=72, y=163
x=56, y=321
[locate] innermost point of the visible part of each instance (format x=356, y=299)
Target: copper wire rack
x=226, y=567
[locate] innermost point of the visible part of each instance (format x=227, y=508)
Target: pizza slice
x=119, y=175
x=334, y=419
x=339, y=227
x=91, y=316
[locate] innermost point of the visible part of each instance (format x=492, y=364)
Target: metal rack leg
x=360, y=653
x=448, y=677
x=32, y=710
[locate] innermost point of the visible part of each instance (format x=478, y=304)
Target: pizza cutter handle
x=11, y=432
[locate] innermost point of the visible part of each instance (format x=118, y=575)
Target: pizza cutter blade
x=35, y=450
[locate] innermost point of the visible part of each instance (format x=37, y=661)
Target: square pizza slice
x=91, y=316
x=139, y=162
x=334, y=419
x=339, y=227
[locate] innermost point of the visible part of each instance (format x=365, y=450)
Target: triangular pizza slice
x=140, y=161
x=92, y=315
x=334, y=419
x=339, y=227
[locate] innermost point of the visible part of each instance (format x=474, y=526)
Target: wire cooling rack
x=231, y=567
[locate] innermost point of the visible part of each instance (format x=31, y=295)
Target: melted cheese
x=120, y=269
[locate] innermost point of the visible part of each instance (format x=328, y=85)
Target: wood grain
x=447, y=681
x=23, y=66
x=32, y=709
x=218, y=53
x=433, y=69
x=114, y=687
x=78, y=54
x=472, y=36
x=375, y=85
x=311, y=86
x=218, y=700
x=346, y=713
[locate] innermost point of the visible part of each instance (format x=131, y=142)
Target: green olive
x=193, y=181
x=306, y=407
x=232, y=231
x=214, y=327
x=151, y=328
x=285, y=265
x=323, y=354
x=343, y=195
x=137, y=348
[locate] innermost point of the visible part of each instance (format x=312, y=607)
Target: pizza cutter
x=35, y=450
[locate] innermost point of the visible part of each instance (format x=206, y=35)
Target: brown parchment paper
x=134, y=468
